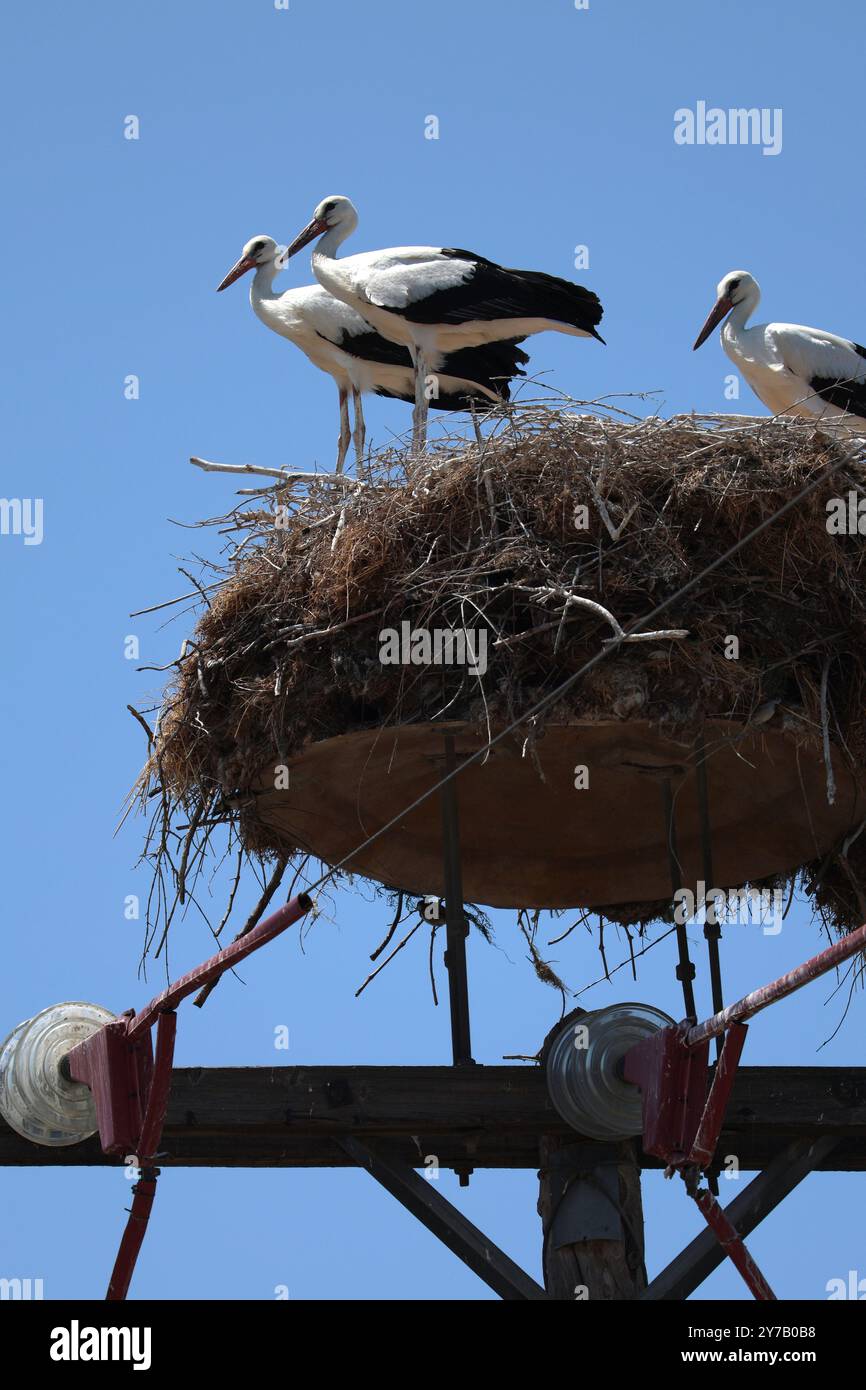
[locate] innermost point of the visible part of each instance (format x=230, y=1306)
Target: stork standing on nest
x=360, y=360
x=792, y=369
x=435, y=299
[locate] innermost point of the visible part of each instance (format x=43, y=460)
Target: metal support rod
x=215, y=966
x=712, y=929
x=795, y=979
x=143, y=1194
x=724, y=1074
x=144, y=1191
x=685, y=969
x=688, y=1270
x=420, y=1197
x=160, y=1088
x=456, y=928
x=732, y=1245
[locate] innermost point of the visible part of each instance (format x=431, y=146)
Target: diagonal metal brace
x=419, y=1196
x=688, y=1270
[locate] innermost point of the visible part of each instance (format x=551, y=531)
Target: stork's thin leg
x=419, y=387
x=360, y=431
x=345, y=432
x=419, y=417
x=479, y=437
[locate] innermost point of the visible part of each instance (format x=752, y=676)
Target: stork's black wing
x=497, y=292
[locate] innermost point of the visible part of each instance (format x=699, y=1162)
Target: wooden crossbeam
x=479, y=1117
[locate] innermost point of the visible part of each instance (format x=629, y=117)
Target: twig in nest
x=543, y=969
x=391, y=930
x=231, y=902
x=255, y=917
x=491, y=501
x=433, y=927
x=338, y=529
x=321, y=632
x=825, y=735
x=168, y=665
x=554, y=940
x=601, y=949
x=380, y=968
x=286, y=475
x=197, y=815
x=181, y=598
x=564, y=611
x=143, y=722
x=671, y=634
x=479, y=437
x=633, y=955
x=613, y=531
x=192, y=579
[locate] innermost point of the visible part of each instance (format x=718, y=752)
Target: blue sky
x=555, y=129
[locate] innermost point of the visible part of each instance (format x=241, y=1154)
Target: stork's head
x=737, y=287
x=334, y=211
x=261, y=250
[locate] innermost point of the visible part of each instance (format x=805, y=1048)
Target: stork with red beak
x=792, y=369
x=360, y=360
x=435, y=299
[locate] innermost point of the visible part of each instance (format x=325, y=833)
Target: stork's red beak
x=238, y=269
x=720, y=310
x=310, y=232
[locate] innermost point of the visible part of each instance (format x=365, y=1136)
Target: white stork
x=792, y=369
x=435, y=299
x=360, y=360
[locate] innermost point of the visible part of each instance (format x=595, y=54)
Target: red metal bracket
x=673, y=1084
x=119, y=1073
x=130, y=1088
x=681, y=1122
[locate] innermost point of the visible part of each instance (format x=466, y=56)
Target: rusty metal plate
x=530, y=838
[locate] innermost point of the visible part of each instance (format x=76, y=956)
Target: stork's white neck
x=735, y=337
x=743, y=310
x=263, y=281
x=329, y=244
x=275, y=308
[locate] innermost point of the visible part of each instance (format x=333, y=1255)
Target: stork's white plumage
x=360, y=360
x=792, y=369
x=435, y=299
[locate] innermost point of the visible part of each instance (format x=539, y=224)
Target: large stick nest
x=501, y=532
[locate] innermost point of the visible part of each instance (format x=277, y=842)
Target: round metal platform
x=529, y=840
